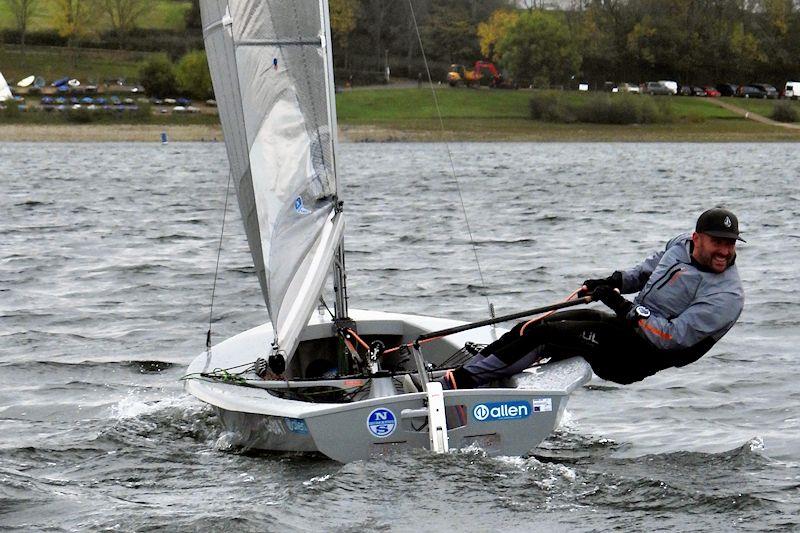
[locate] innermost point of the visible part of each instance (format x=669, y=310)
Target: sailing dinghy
x=337, y=384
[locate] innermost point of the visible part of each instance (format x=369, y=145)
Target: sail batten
x=270, y=71
x=280, y=42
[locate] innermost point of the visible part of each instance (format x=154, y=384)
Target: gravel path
x=752, y=116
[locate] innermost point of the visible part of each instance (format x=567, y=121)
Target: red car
x=711, y=91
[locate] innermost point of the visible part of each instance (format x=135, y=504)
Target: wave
x=143, y=366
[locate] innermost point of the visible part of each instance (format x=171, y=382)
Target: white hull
x=510, y=420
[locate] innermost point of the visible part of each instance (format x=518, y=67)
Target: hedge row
x=177, y=43
x=598, y=109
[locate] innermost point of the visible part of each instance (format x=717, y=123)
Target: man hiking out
x=689, y=296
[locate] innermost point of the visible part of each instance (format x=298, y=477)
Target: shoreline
x=364, y=133
x=108, y=132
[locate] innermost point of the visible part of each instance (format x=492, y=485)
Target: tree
x=745, y=50
x=603, y=26
x=192, y=19
x=775, y=21
x=540, y=47
x=123, y=15
x=158, y=76
x=73, y=19
x=23, y=11
x=640, y=43
x=492, y=30
x=192, y=75
x=344, y=15
x=451, y=32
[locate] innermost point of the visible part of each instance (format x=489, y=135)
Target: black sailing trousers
x=609, y=344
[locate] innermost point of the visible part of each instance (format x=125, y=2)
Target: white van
x=671, y=85
x=792, y=90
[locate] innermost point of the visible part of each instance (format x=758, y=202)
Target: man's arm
x=709, y=316
x=635, y=278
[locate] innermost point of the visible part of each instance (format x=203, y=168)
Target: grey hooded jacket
x=691, y=308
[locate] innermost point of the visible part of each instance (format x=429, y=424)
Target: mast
x=339, y=273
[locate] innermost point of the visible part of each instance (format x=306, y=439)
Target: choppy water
x=106, y=259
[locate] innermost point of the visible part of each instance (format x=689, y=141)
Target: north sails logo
x=727, y=222
x=381, y=422
x=299, y=207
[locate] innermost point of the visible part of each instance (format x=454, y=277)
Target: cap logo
x=727, y=222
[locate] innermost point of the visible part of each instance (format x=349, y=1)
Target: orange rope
x=462, y=417
x=357, y=338
x=545, y=315
x=409, y=345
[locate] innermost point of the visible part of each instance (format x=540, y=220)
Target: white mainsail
x=5, y=92
x=271, y=69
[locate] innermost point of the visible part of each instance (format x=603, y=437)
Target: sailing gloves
x=613, y=299
x=614, y=281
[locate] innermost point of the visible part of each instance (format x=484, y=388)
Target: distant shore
x=108, y=132
x=504, y=130
x=409, y=115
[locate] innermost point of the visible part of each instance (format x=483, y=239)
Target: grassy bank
x=110, y=133
x=368, y=106
x=762, y=107
x=410, y=114
x=53, y=62
x=468, y=115
x=459, y=129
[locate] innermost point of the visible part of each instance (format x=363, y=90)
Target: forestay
x=271, y=70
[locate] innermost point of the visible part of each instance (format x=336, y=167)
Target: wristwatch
x=641, y=312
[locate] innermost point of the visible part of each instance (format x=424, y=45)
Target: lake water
x=107, y=255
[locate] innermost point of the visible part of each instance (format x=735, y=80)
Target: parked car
x=727, y=89
x=610, y=87
x=692, y=90
x=671, y=85
x=772, y=92
x=711, y=91
x=656, y=88
x=750, y=91
x=628, y=88
x=791, y=90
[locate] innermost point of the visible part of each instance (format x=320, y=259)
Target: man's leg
x=578, y=332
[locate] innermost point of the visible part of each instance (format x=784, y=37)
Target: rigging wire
x=450, y=157
x=216, y=268
x=322, y=302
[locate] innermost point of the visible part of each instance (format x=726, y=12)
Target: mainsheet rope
x=533, y=320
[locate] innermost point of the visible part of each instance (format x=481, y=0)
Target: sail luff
x=218, y=38
x=339, y=273
x=269, y=61
x=331, y=88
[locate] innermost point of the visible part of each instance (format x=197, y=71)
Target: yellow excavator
x=459, y=75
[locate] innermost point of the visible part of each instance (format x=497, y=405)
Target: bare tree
x=124, y=15
x=74, y=19
x=23, y=11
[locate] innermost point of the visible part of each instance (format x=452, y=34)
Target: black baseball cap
x=719, y=222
